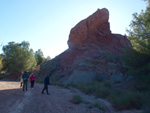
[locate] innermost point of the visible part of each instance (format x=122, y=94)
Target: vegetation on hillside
x=120, y=98
x=137, y=58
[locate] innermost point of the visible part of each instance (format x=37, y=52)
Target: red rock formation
x=80, y=33
x=93, y=51
x=95, y=30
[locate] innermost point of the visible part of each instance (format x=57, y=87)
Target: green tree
x=138, y=57
x=1, y=64
x=1, y=59
x=18, y=57
x=48, y=58
x=39, y=57
x=139, y=34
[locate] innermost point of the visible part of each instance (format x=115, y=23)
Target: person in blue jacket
x=46, y=83
x=25, y=78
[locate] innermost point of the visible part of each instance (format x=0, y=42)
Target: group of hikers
x=24, y=82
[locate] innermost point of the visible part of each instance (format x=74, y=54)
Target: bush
x=126, y=100
x=99, y=106
x=146, y=101
x=76, y=99
x=103, y=92
x=107, y=84
x=85, y=87
x=121, y=99
x=142, y=83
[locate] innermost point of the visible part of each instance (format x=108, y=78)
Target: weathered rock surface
x=94, y=52
x=96, y=23
x=95, y=31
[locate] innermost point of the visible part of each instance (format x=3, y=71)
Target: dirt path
x=14, y=100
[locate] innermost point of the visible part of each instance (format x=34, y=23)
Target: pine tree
x=18, y=57
x=138, y=57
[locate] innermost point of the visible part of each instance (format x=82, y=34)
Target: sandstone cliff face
x=94, y=52
x=96, y=23
x=95, y=31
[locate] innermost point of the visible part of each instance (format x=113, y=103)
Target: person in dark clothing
x=46, y=83
x=25, y=78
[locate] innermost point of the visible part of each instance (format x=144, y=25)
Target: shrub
x=85, y=87
x=142, y=83
x=121, y=99
x=76, y=99
x=89, y=87
x=125, y=100
x=99, y=106
x=146, y=101
x=102, y=92
x=94, y=87
x=107, y=84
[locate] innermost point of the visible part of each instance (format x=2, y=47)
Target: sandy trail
x=14, y=100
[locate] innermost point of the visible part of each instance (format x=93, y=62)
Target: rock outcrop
x=93, y=54
x=96, y=23
x=95, y=31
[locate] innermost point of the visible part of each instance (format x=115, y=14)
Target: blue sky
x=46, y=24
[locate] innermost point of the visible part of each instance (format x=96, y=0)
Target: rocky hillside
x=93, y=54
